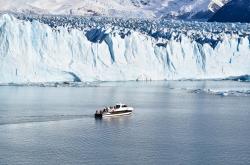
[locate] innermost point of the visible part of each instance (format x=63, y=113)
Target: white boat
x=117, y=110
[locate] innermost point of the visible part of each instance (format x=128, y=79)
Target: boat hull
x=115, y=113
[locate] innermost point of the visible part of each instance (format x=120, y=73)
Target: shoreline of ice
x=53, y=84
x=208, y=87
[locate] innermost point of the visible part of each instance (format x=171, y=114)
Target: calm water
x=170, y=125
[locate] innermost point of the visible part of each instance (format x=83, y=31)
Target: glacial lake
x=174, y=122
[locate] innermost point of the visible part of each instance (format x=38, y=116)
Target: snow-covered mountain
x=77, y=7
x=234, y=11
x=215, y=5
x=64, y=48
x=119, y=8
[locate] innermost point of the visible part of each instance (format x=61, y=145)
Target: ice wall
x=34, y=52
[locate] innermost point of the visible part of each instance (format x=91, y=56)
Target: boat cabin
x=117, y=106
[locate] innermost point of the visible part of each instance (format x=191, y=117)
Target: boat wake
x=40, y=119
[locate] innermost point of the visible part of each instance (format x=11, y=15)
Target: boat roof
x=120, y=104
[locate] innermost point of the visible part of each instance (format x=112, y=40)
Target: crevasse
x=34, y=52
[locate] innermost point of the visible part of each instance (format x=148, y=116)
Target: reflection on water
x=170, y=125
x=114, y=120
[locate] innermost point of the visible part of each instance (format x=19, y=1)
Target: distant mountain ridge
x=185, y=9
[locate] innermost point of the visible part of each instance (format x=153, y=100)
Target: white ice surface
x=34, y=52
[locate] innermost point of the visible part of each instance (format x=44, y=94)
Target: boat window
x=117, y=106
x=124, y=106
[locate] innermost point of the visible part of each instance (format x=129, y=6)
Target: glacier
x=33, y=51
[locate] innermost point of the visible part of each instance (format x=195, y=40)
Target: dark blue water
x=170, y=125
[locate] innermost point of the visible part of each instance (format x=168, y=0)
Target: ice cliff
x=32, y=50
